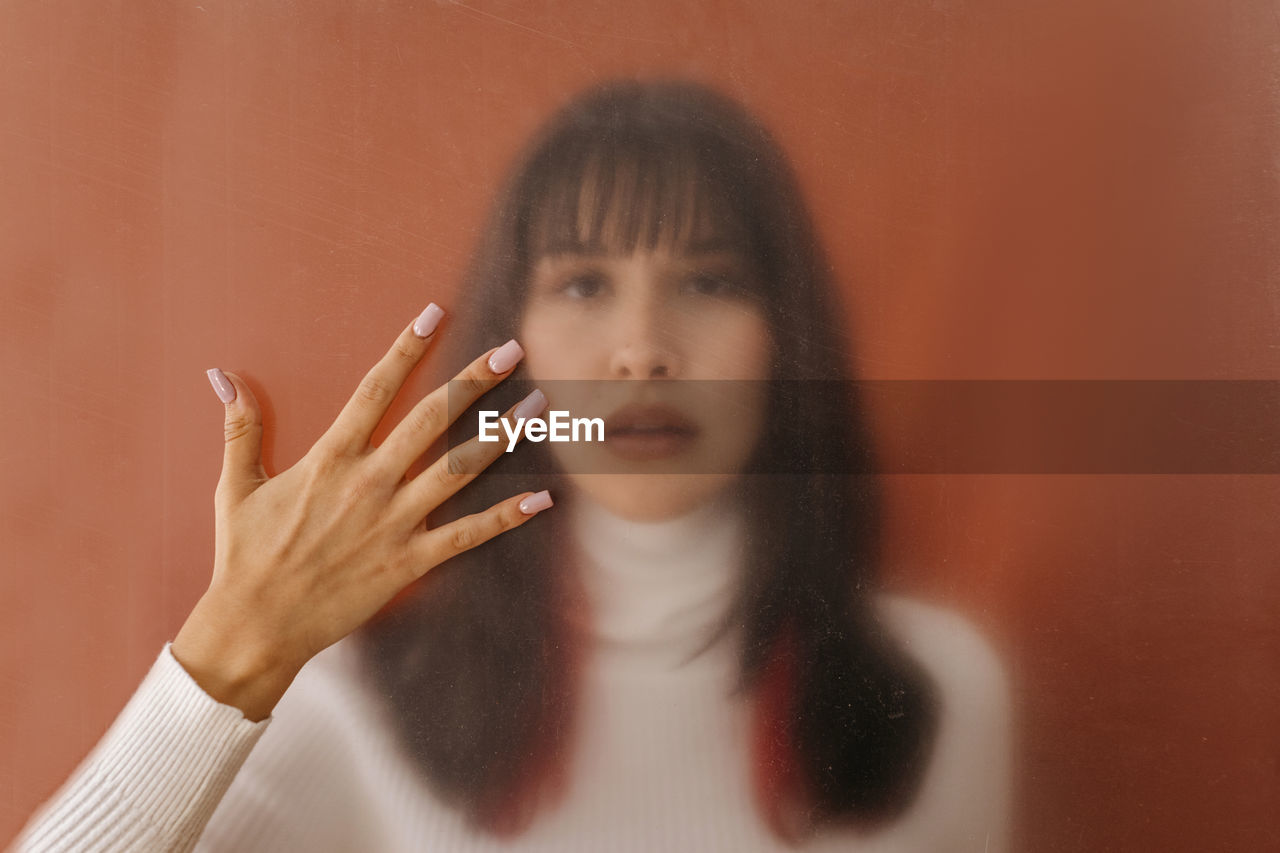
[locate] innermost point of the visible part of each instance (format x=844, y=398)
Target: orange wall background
x=1081, y=190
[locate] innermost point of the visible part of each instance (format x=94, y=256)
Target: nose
x=644, y=346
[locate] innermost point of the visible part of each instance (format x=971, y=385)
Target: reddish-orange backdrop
x=1078, y=189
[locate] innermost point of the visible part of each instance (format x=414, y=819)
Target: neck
x=660, y=587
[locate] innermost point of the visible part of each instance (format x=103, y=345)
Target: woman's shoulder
x=948, y=644
x=967, y=791
x=970, y=675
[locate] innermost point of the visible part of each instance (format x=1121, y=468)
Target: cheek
x=556, y=345
x=737, y=345
x=751, y=342
x=756, y=346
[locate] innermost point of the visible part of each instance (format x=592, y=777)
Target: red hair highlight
x=780, y=788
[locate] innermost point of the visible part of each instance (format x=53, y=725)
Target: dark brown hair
x=477, y=663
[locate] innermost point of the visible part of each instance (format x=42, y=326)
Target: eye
x=582, y=285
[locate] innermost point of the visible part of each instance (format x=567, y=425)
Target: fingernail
x=535, y=504
x=428, y=320
x=506, y=357
x=221, y=385
x=531, y=406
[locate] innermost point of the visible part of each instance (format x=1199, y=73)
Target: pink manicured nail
x=428, y=320
x=506, y=357
x=221, y=385
x=535, y=504
x=531, y=406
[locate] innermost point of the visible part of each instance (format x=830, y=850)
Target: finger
x=352, y=429
x=242, y=470
x=431, y=417
x=439, y=544
x=462, y=464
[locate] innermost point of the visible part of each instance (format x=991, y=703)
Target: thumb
x=242, y=470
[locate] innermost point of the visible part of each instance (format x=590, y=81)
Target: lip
x=647, y=432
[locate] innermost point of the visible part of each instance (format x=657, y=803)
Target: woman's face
x=683, y=344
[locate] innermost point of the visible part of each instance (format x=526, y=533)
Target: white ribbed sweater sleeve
x=155, y=778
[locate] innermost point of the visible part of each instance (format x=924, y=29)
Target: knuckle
x=511, y=517
x=238, y=425
x=374, y=389
x=458, y=463
x=503, y=518
x=328, y=449
x=471, y=385
x=361, y=484
x=448, y=475
x=464, y=537
x=322, y=459
x=406, y=352
x=426, y=416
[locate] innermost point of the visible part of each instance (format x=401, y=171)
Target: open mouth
x=642, y=432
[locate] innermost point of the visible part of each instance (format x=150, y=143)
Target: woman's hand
x=304, y=558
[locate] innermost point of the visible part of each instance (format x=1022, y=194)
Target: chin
x=650, y=497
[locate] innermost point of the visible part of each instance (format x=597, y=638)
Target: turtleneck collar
x=658, y=587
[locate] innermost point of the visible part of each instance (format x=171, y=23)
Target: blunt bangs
x=623, y=190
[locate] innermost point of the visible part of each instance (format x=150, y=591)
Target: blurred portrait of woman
x=772, y=267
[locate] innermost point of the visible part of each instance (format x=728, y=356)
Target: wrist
x=232, y=669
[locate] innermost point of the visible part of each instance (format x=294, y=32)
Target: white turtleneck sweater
x=660, y=760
